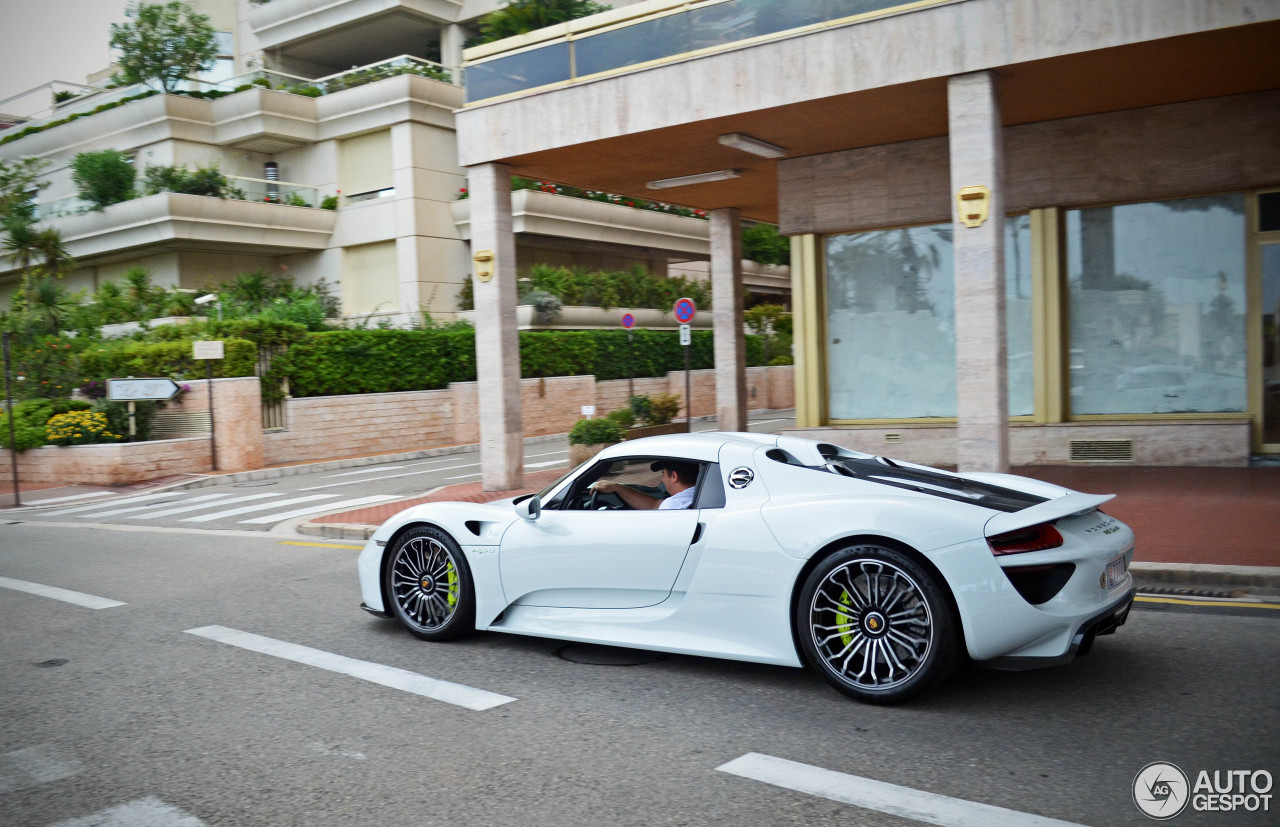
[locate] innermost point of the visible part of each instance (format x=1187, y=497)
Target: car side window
x=634, y=472
x=710, y=487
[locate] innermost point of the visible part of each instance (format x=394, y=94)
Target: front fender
x=476, y=527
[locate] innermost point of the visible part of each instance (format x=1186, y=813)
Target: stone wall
x=121, y=463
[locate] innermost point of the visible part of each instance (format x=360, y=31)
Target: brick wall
x=117, y=464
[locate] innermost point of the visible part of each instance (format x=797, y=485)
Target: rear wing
x=1045, y=512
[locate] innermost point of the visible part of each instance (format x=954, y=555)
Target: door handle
x=697, y=534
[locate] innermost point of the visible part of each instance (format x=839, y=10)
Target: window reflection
x=891, y=340
x=1156, y=307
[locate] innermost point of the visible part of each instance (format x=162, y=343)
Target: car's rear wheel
x=429, y=584
x=876, y=625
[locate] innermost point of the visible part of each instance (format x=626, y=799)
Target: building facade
x=312, y=104
x=1022, y=231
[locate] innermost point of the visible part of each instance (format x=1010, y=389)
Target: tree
x=761, y=242
x=164, y=43
x=523, y=16
x=19, y=179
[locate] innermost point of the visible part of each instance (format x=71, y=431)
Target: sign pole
x=13, y=443
x=631, y=353
x=133, y=423
x=688, y=394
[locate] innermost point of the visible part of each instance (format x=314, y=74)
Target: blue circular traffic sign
x=628, y=321
x=685, y=310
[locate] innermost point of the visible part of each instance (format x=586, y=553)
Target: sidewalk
x=1189, y=522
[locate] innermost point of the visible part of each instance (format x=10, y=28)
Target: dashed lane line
x=319, y=545
x=389, y=477
x=246, y=509
x=88, y=601
x=52, y=500
x=451, y=693
x=143, y=812
x=338, y=506
x=205, y=498
x=880, y=796
x=375, y=470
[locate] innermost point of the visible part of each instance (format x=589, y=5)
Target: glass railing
x=273, y=192
x=660, y=36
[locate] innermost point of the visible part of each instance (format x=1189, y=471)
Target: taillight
x=1035, y=538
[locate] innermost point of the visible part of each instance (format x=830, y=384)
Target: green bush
x=80, y=428
x=329, y=202
x=621, y=417
x=595, y=432
x=761, y=242
x=104, y=178
x=579, y=287
x=379, y=361
x=29, y=419
x=172, y=359
x=663, y=408
x=203, y=180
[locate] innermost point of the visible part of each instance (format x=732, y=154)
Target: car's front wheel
x=429, y=584
x=876, y=624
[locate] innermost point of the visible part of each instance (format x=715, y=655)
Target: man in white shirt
x=678, y=477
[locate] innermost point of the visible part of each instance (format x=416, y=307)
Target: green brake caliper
x=451, y=575
x=844, y=623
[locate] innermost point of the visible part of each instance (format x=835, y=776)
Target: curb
x=1206, y=574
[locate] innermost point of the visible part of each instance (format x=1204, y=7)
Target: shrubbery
x=104, y=178
x=131, y=358
x=595, y=432
x=30, y=418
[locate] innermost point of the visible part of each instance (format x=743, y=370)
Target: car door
x=575, y=557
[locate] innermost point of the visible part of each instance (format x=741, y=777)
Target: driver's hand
x=604, y=486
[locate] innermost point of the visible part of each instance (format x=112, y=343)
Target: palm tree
x=51, y=303
x=22, y=244
x=50, y=247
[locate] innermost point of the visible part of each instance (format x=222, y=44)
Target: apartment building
x=312, y=104
x=1022, y=231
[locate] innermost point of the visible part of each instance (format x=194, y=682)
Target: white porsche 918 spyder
x=881, y=574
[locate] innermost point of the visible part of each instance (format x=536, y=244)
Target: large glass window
x=1156, y=307
x=891, y=337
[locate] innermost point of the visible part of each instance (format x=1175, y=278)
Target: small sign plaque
x=686, y=338
x=208, y=350
x=138, y=390
x=588, y=411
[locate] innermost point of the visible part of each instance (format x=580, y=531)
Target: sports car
x=882, y=575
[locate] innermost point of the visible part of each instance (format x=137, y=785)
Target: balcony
x=649, y=34
x=349, y=32
x=175, y=221
x=546, y=214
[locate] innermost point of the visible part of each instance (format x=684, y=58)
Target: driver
x=678, y=477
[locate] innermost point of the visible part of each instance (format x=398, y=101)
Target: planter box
x=657, y=430
x=579, y=454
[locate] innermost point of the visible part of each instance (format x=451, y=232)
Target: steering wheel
x=592, y=502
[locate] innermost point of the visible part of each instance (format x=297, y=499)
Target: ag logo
x=1161, y=790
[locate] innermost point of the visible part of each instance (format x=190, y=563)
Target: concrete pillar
x=497, y=343
x=452, y=37
x=726, y=298
x=982, y=382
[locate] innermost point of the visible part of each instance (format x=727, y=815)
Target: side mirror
x=530, y=508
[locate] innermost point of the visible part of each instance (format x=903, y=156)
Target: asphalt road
x=121, y=714
x=282, y=502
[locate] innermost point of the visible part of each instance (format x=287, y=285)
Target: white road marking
x=202, y=498
x=462, y=477
x=69, y=499
x=33, y=766
x=232, y=512
x=89, y=601
x=144, y=812
x=904, y=802
x=169, y=512
x=338, y=506
x=529, y=465
x=548, y=454
x=125, y=501
x=389, y=477
x=365, y=471
x=451, y=693
x=766, y=421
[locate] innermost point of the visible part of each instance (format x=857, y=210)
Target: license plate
x=1115, y=572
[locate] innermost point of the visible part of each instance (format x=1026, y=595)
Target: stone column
x=237, y=422
x=982, y=382
x=726, y=298
x=497, y=343
x=452, y=37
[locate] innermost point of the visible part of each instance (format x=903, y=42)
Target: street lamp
x=211, y=297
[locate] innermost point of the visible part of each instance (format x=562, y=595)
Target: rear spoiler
x=1045, y=512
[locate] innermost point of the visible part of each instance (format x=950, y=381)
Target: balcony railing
x=242, y=189
x=593, y=46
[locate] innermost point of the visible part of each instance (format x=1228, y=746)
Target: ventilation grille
x=178, y=424
x=1102, y=450
x=895, y=438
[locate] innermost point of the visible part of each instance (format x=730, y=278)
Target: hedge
x=172, y=359
x=379, y=361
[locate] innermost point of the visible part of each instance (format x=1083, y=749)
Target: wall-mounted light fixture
x=755, y=146
x=700, y=178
